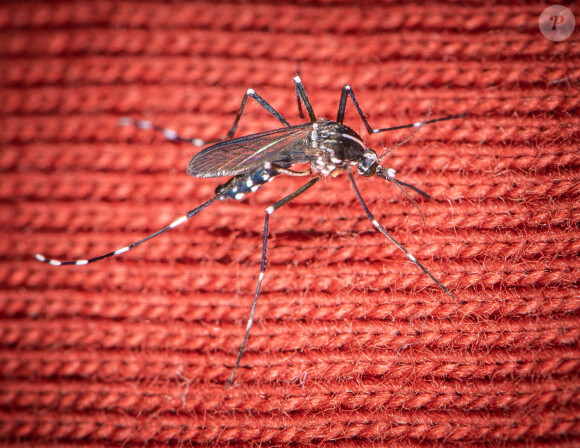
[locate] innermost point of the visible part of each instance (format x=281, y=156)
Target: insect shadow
x=329, y=147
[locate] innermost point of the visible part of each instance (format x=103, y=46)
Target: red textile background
x=352, y=344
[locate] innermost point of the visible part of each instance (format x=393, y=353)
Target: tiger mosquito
x=329, y=147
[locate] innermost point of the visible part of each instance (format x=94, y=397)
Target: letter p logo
x=557, y=23
x=556, y=20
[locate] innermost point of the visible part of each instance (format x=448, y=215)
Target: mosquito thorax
x=335, y=146
x=367, y=166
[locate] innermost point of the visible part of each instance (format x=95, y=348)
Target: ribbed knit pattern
x=352, y=344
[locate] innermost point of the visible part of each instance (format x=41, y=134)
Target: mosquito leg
x=419, y=123
x=347, y=91
x=388, y=235
x=190, y=214
x=342, y=105
x=300, y=111
x=169, y=134
x=301, y=93
x=289, y=172
x=262, y=102
x=411, y=135
x=269, y=211
x=298, y=71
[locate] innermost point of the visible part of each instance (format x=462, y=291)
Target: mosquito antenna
x=190, y=214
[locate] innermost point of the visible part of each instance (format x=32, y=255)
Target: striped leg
x=347, y=91
x=301, y=93
x=393, y=240
x=269, y=211
x=174, y=224
x=170, y=134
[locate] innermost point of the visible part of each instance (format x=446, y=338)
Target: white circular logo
x=557, y=23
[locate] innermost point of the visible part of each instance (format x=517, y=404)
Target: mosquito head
x=367, y=166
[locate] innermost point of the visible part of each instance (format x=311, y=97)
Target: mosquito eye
x=367, y=166
x=371, y=170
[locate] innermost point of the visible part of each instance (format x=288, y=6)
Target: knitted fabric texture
x=352, y=344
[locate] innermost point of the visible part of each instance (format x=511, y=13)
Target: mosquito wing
x=285, y=146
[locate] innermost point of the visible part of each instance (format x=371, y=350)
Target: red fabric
x=352, y=344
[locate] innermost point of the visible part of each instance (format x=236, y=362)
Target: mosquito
x=327, y=147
